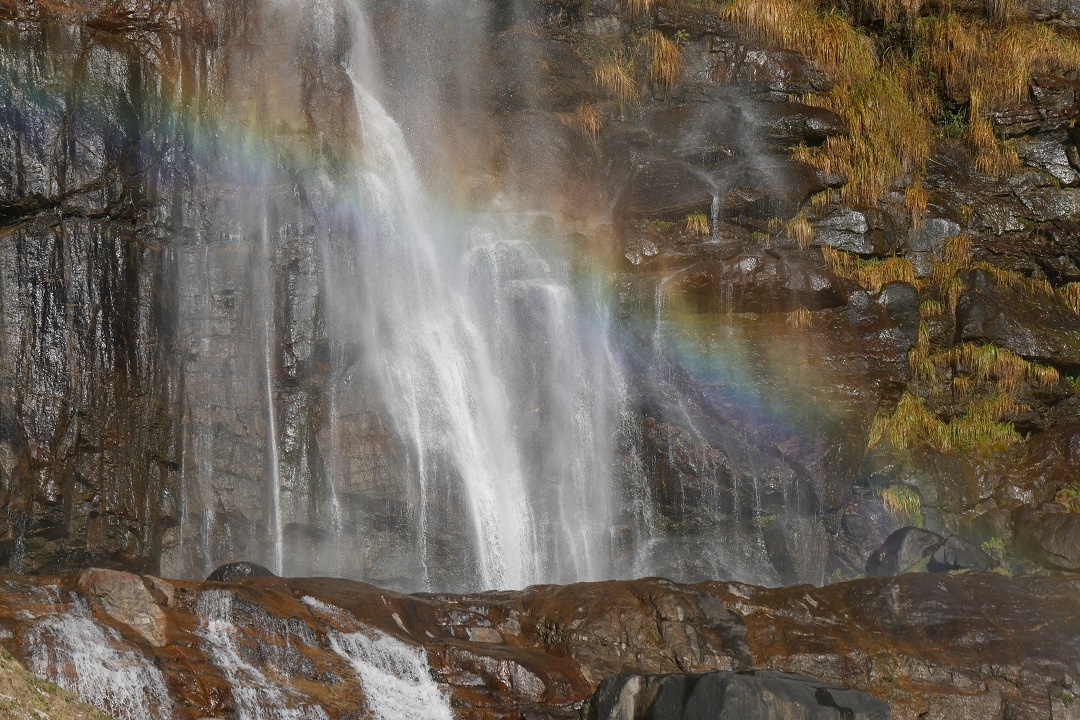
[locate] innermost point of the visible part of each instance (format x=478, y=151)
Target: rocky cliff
x=941, y=647
x=843, y=274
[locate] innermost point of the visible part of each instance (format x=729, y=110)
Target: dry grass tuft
x=981, y=429
x=801, y=231
x=800, y=318
x=665, y=59
x=993, y=156
x=889, y=96
x=911, y=425
x=1043, y=376
x=923, y=367
x=900, y=501
x=870, y=274
x=955, y=257
x=915, y=199
x=1016, y=282
x=989, y=364
x=826, y=38
x=698, y=223
x=614, y=77
x=963, y=386
x=888, y=137
x=638, y=8
x=587, y=119
x=1070, y=295
x=931, y=308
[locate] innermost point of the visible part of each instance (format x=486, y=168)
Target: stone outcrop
x=949, y=647
x=146, y=315
x=760, y=695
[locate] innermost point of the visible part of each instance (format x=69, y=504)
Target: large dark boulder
x=907, y=549
x=958, y=554
x=238, y=571
x=1032, y=325
x=759, y=695
x=1050, y=536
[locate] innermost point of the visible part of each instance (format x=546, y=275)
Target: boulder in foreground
x=759, y=695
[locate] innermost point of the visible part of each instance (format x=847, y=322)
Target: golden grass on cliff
x=587, y=119
x=981, y=429
x=963, y=387
x=931, y=308
x=698, y=223
x=1070, y=296
x=952, y=288
x=911, y=424
x=614, y=76
x=993, y=156
x=900, y=501
x=638, y=8
x=870, y=274
x=1002, y=368
x=827, y=38
x=1016, y=282
x=800, y=229
x=955, y=256
x=665, y=59
x=1001, y=9
x=1044, y=376
x=923, y=367
x=888, y=134
x=915, y=199
x=893, y=10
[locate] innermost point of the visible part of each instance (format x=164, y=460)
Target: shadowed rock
x=238, y=571
x=761, y=695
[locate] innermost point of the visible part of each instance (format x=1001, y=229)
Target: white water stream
x=396, y=677
x=92, y=661
x=474, y=343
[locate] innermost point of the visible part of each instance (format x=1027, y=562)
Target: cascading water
x=396, y=677
x=479, y=366
x=257, y=696
x=384, y=385
x=95, y=663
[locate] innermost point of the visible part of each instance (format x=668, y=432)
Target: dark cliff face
x=171, y=223
x=123, y=176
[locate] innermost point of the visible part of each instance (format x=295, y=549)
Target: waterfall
x=473, y=342
x=92, y=661
x=396, y=677
x=257, y=696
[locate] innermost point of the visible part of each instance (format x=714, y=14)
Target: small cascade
x=257, y=697
x=396, y=677
x=714, y=219
x=274, y=469
x=92, y=661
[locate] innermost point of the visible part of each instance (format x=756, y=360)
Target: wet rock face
x=753, y=696
x=165, y=293
x=914, y=643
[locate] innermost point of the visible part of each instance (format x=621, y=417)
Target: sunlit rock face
x=360, y=289
x=319, y=648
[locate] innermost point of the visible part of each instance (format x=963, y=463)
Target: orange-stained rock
x=124, y=597
x=952, y=646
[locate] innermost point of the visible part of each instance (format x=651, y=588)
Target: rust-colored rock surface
x=932, y=646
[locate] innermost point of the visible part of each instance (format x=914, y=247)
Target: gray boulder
x=756, y=695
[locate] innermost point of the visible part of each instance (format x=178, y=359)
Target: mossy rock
x=24, y=695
